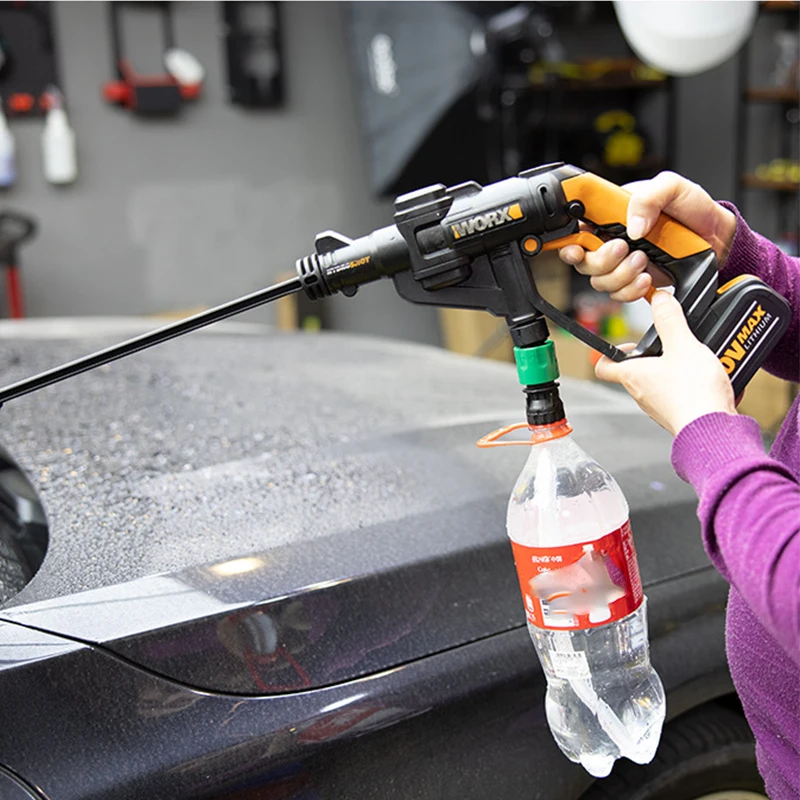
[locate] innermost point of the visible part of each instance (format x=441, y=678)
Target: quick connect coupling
x=536, y=364
x=537, y=369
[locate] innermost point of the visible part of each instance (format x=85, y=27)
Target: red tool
x=153, y=94
x=15, y=228
x=21, y=103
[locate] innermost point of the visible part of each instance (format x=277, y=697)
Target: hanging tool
x=253, y=52
x=152, y=94
x=469, y=247
x=27, y=57
x=15, y=228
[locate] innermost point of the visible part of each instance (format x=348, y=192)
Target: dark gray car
x=276, y=567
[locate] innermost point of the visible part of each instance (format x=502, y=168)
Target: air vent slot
x=549, y=202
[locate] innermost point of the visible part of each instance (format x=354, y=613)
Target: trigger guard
x=649, y=345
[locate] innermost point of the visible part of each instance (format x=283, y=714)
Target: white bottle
x=8, y=153
x=59, y=157
x=184, y=67
x=568, y=524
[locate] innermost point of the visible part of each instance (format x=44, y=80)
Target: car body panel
x=277, y=568
x=411, y=550
x=465, y=722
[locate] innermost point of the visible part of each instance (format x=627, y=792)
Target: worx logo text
x=491, y=219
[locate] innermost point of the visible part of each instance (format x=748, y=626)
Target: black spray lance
x=470, y=246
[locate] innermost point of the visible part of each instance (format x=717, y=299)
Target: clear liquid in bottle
x=569, y=528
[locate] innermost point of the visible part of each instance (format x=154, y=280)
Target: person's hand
x=684, y=383
x=629, y=276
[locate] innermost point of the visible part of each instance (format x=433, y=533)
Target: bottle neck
x=550, y=431
x=57, y=120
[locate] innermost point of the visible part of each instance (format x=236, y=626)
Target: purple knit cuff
x=745, y=249
x=712, y=441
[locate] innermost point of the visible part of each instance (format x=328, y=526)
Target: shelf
x=599, y=85
x=754, y=182
x=773, y=94
x=648, y=165
x=594, y=75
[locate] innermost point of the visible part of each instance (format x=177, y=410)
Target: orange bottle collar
x=539, y=434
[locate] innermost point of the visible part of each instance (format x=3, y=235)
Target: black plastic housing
x=469, y=246
x=743, y=325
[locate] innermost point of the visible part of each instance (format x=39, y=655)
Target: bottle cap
x=537, y=364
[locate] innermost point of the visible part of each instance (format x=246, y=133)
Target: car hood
x=264, y=513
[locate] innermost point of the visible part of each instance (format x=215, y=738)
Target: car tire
x=13, y=572
x=706, y=754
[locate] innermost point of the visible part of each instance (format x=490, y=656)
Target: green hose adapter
x=536, y=365
x=537, y=369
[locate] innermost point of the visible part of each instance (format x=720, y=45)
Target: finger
x=670, y=322
x=633, y=291
x=572, y=254
x=610, y=371
x=622, y=275
x=606, y=258
x=662, y=193
x=595, y=355
x=661, y=277
x=639, y=288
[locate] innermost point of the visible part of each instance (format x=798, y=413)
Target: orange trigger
x=587, y=240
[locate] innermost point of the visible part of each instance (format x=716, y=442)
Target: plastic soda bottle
x=569, y=526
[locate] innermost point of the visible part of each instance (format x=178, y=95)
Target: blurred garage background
x=311, y=116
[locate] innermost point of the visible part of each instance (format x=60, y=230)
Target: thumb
x=612, y=371
x=649, y=198
x=670, y=322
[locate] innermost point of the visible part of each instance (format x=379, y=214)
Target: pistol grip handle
x=688, y=258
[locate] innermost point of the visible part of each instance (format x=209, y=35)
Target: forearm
x=750, y=515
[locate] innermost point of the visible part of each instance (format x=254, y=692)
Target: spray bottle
x=8, y=160
x=59, y=158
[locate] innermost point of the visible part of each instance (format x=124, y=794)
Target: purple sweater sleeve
x=752, y=253
x=749, y=502
x=750, y=515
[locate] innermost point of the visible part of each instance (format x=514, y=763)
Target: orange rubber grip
x=586, y=239
x=607, y=204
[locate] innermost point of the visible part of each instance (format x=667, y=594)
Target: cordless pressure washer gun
x=470, y=246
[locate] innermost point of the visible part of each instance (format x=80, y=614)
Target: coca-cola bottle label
x=579, y=586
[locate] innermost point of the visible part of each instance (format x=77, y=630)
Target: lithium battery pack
x=743, y=325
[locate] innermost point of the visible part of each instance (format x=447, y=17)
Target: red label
x=582, y=585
